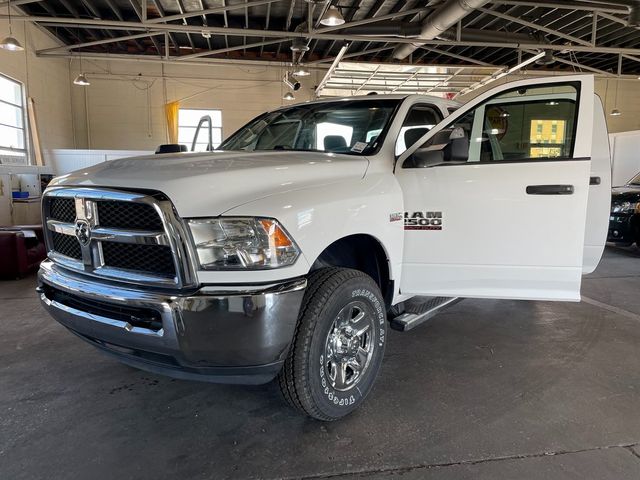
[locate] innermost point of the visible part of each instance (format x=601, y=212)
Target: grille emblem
x=83, y=232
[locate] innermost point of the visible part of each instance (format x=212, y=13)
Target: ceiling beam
x=99, y=42
x=351, y=55
x=207, y=11
x=566, y=5
x=229, y=49
x=119, y=25
x=184, y=22
x=534, y=26
x=578, y=65
x=161, y=11
x=138, y=9
x=456, y=56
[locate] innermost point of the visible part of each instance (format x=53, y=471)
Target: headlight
x=228, y=243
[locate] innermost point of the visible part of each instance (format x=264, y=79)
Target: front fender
x=318, y=216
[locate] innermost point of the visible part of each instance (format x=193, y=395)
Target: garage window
x=188, y=119
x=13, y=138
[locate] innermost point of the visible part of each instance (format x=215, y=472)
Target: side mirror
x=448, y=145
x=425, y=158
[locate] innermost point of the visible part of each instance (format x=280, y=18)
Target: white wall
x=47, y=82
x=124, y=105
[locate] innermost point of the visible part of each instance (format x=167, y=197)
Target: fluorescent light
x=332, y=17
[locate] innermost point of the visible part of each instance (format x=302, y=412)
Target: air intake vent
x=66, y=245
x=156, y=259
x=128, y=216
x=63, y=210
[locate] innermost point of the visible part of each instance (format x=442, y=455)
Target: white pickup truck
x=288, y=251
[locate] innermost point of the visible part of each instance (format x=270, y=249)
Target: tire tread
x=292, y=379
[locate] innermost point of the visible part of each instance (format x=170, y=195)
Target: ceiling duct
x=406, y=29
x=391, y=29
x=441, y=19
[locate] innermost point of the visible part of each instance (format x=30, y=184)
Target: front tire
x=338, y=345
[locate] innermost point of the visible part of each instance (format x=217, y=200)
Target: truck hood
x=209, y=184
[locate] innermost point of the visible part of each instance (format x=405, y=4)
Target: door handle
x=550, y=190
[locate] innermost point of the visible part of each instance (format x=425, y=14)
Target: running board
x=420, y=309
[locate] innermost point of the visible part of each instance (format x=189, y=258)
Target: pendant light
x=332, y=17
x=615, y=112
x=81, y=79
x=301, y=71
x=288, y=96
x=10, y=43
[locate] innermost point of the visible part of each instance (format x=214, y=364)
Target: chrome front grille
x=125, y=236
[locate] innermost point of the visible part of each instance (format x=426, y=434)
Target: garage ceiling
x=585, y=35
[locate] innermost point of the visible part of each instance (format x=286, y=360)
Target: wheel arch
x=355, y=251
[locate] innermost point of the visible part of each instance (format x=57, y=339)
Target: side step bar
x=421, y=312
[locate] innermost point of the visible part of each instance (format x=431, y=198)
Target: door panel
x=498, y=209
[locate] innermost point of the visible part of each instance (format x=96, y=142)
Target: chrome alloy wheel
x=349, y=346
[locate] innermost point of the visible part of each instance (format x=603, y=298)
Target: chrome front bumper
x=219, y=334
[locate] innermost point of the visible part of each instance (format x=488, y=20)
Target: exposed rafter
x=595, y=35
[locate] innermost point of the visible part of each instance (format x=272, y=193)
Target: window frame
x=25, y=121
x=577, y=85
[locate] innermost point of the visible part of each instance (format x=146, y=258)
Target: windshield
x=355, y=127
x=635, y=180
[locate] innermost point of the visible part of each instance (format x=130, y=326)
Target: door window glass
x=525, y=124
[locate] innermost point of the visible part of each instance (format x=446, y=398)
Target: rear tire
x=338, y=345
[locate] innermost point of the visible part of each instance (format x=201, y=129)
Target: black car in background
x=624, y=223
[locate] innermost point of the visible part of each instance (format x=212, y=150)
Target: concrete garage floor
x=489, y=389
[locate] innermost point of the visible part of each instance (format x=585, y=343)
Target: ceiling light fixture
x=301, y=71
x=10, y=43
x=615, y=112
x=288, y=96
x=332, y=17
x=81, y=79
x=290, y=81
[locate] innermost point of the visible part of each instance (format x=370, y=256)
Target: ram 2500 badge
x=286, y=253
